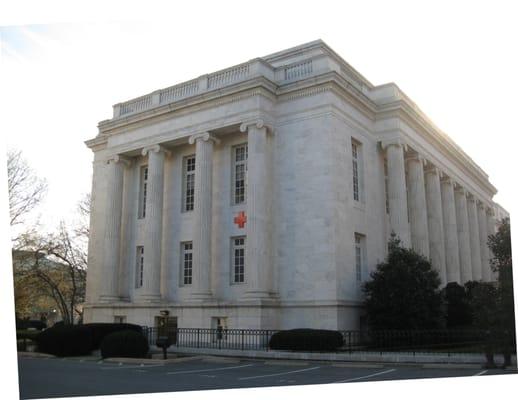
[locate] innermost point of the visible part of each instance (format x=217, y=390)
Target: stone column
x=451, y=241
x=202, y=232
x=461, y=211
x=397, y=194
x=153, y=223
x=258, y=241
x=417, y=206
x=484, y=249
x=474, y=239
x=435, y=222
x=112, y=233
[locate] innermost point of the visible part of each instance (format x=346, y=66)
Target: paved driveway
x=72, y=377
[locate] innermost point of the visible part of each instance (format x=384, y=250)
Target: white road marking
x=481, y=373
x=208, y=369
x=366, y=376
x=135, y=366
x=281, y=373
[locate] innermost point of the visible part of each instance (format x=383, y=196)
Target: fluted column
x=451, y=241
x=461, y=211
x=484, y=249
x=417, y=206
x=202, y=238
x=491, y=229
x=112, y=232
x=435, y=222
x=258, y=262
x=397, y=193
x=150, y=290
x=474, y=239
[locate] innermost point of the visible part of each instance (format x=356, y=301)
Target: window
x=238, y=259
x=358, y=253
x=187, y=263
x=142, y=192
x=139, y=275
x=239, y=172
x=357, y=170
x=189, y=164
x=119, y=319
x=385, y=171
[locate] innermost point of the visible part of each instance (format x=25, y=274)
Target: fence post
x=198, y=338
x=242, y=339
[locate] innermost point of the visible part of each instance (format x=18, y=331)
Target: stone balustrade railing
x=239, y=73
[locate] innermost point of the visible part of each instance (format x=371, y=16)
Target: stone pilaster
x=435, y=222
x=112, y=231
x=451, y=241
x=417, y=206
x=474, y=239
x=397, y=194
x=150, y=291
x=202, y=232
x=461, y=212
x=484, y=249
x=258, y=262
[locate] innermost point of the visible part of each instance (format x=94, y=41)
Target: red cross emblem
x=240, y=220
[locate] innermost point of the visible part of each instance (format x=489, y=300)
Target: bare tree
x=26, y=189
x=57, y=265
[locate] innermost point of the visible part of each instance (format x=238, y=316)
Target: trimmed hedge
x=78, y=340
x=306, y=339
x=126, y=343
x=23, y=324
x=67, y=340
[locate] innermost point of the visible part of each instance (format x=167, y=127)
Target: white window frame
x=238, y=270
x=186, y=263
x=142, y=198
x=139, y=267
x=359, y=256
x=189, y=171
x=239, y=198
x=357, y=170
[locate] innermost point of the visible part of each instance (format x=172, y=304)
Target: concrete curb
x=149, y=361
x=30, y=354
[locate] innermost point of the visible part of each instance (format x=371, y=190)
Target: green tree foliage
x=502, y=264
x=458, y=307
x=404, y=292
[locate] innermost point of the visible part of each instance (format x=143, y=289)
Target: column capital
x=447, y=180
x=259, y=123
x=115, y=159
x=399, y=142
x=416, y=157
x=460, y=190
x=205, y=136
x=155, y=148
x=432, y=169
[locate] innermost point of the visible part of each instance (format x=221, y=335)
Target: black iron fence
x=409, y=341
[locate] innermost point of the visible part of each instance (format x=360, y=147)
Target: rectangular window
x=238, y=259
x=357, y=170
x=189, y=165
x=187, y=263
x=358, y=253
x=119, y=319
x=139, y=270
x=142, y=192
x=239, y=171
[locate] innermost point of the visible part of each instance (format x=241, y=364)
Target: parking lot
x=55, y=377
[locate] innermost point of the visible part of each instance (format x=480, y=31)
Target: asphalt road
x=46, y=378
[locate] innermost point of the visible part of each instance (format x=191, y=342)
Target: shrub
x=100, y=330
x=66, y=340
x=126, y=343
x=306, y=339
x=22, y=324
x=71, y=340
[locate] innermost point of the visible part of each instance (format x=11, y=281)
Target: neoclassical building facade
x=263, y=195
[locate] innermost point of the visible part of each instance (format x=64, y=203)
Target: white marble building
x=263, y=195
